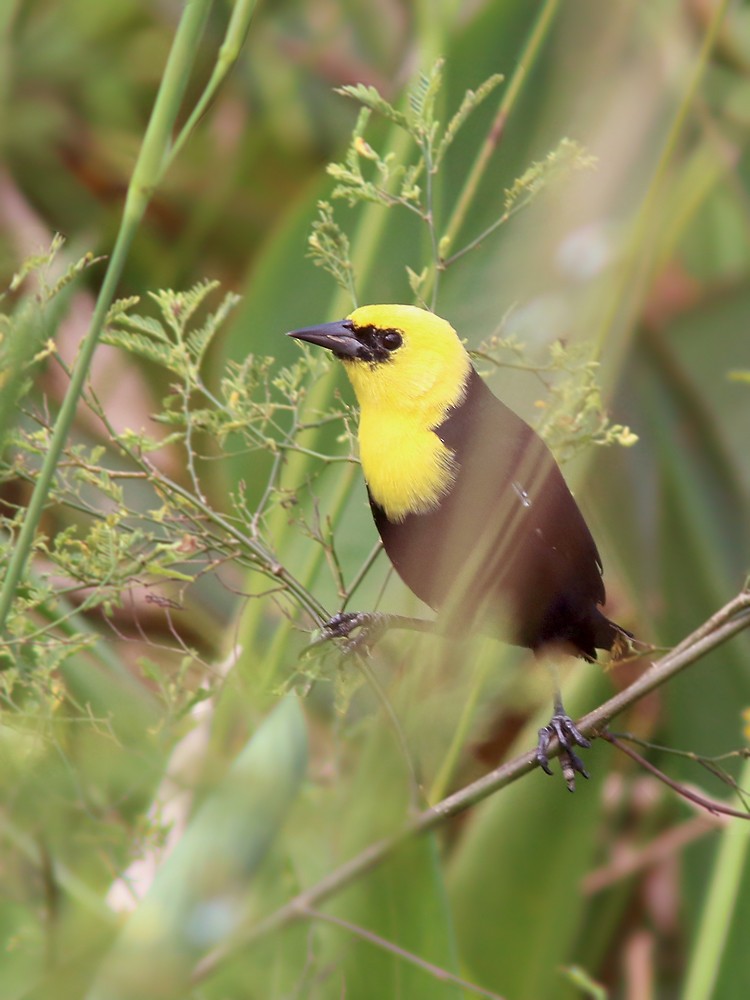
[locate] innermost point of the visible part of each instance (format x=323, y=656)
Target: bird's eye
x=391, y=340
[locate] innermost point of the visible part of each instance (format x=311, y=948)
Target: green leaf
x=328, y=247
x=472, y=99
x=199, y=895
x=140, y=345
x=144, y=324
x=178, y=308
x=567, y=156
x=515, y=876
x=422, y=98
x=372, y=99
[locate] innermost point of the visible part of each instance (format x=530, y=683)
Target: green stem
x=493, y=226
x=362, y=573
x=530, y=51
x=729, y=621
x=720, y=908
x=234, y=39
x=458, y=741
x=431, y=224
x=146, y=175
x=366, y=246
x=393, y=721
x=439, y=973
x=278, y=652
x=265, y=561
x=639, y=257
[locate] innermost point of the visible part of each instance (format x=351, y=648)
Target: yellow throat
x=407, y=467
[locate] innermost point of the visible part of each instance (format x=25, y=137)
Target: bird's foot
x=567, y=733
x=370, y=625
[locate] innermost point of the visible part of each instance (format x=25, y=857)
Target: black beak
x=337, y=337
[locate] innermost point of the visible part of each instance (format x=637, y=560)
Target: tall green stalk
x=155, y=156
x=146, y=175
x=639, y=257
x=365, y=248
x=721, y=906
x=729, y=621
x=531, y=50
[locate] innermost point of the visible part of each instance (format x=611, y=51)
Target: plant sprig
x=572, y=415
x=159, y=538
x=366, y=175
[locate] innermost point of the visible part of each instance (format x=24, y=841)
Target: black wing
x=508, y=541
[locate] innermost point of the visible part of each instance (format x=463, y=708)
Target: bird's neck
x=407, y=467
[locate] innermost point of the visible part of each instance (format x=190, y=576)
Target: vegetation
x=199, y=796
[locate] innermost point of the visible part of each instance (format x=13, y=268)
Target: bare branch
x=733, y=618
x=380, y=942
x=713, y=806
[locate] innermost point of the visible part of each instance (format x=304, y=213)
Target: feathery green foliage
x=196, y=530
x=572, y=415
x=163, y=534
x=410, y=184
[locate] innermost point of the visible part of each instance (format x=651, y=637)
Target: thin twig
x=526, y=60
x=711, y=764
x=632, y=278
x=729, y=621
x=380, y=942
x=147, y=174
x=362, y=572
x=710, y=805
x=416, y=794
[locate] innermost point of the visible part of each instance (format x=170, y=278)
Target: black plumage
x=477, y=520
x=507, y=548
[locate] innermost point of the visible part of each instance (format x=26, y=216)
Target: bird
x=469, y=502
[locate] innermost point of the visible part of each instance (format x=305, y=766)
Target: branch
x=710, y=805
x=379, y=942
x=147, y=174
x=526, y=60
x=733, y=618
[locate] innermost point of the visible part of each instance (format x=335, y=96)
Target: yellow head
x=408, y=368
x=397, y=357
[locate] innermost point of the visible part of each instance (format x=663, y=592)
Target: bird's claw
x=371, y=626
x=562, y=728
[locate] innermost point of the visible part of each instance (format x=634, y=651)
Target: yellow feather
x=406, y=465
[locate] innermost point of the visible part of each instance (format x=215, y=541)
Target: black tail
x=609, y=635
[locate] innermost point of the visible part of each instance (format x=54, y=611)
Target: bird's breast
x=407, y=467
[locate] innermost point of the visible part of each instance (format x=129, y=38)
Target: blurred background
x=647, y=256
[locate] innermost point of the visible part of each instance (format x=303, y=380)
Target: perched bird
x=471, y=506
